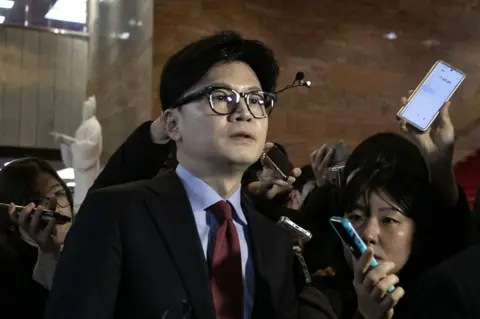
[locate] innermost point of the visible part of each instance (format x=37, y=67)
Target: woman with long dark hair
x=404, y=218
x=29, y=182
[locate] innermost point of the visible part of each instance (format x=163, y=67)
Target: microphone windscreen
x=299, y=76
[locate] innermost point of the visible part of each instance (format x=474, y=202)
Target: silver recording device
x=299, y=234
x=337, y=176
x=300, y=237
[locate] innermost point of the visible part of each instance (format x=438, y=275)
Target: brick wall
x=358, y=76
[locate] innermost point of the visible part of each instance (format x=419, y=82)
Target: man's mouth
x=243, y=135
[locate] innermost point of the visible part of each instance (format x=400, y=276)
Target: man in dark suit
x=449, y=291
x=188, y=241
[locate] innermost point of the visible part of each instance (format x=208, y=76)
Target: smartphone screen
x=435, y=89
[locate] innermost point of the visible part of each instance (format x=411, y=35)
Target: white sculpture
x=83, y=151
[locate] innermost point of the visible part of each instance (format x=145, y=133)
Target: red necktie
x=226, y=273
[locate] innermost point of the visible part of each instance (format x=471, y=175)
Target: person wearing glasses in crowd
x=188, y=239
x=29, y=246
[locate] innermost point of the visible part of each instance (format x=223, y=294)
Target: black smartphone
x=46, y=215
x=340, y=153
x=279, y=161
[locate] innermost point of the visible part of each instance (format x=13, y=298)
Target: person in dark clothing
x=28, y=182
x=379, y=178
x=216, y=112
x=449, y=291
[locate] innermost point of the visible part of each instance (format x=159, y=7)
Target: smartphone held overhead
x=436, y=88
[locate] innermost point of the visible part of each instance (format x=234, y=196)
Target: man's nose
x=242, y=113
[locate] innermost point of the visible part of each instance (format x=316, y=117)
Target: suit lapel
x=260, y=244
x=175, y=221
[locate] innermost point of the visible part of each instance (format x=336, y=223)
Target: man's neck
x=225, y=181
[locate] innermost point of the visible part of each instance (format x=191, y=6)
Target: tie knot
x=221, y=210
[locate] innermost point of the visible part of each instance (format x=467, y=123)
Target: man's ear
x=172, y=127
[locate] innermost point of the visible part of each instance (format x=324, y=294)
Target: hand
x=158, y=132
x=319, y=160
x=270, y=182
x=437, y=145
x=438, y=141
x=31, y=222
x=371, y=286
x=295, y=200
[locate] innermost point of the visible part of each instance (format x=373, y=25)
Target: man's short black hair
x=188, y=66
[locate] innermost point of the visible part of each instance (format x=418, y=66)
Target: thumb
x=445, y=119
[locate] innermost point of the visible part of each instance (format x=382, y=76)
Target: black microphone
x=297, y=82
x=299, y=76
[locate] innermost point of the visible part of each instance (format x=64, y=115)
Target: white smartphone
x=428, y=98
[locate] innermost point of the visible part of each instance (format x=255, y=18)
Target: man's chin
x=242, y=160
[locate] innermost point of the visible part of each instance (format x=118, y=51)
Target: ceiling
x=52, y=14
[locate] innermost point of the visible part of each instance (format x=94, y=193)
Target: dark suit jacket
x=21, y=297
x=134, y=252
x=451, y=290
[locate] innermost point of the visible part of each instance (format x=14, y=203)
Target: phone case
x=417, y=89
x=354, y=242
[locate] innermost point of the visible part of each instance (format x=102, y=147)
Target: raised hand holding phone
x=424, y=103
x=372, y=287
x=275, y=178
x=320, y=160
x=437, y=141
x=31, y=223
x=437, y=145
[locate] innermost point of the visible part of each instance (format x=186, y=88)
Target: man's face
x=204, y=136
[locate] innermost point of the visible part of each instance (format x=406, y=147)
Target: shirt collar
x=202, y=196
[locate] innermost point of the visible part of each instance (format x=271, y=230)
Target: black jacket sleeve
x=137, y=158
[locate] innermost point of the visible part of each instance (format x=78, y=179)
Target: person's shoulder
x=276, y=233
x=117, y=198
x=315, y=304
x=458, y=273
x=121, y=189
x=461, y=266
x=449, y=290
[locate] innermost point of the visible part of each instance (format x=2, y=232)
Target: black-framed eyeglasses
x=224, y=100
x=62, y=201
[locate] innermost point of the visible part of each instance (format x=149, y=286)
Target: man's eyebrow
x=228, y=86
